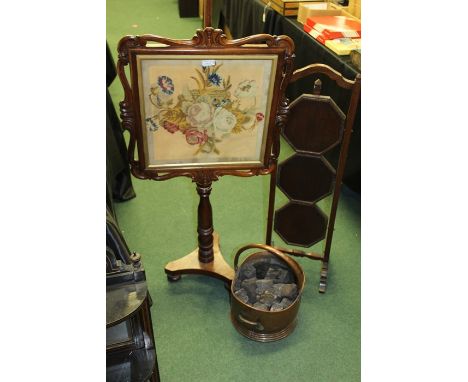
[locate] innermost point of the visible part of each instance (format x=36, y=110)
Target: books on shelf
x=341, y=46
x=335, y=26
x=287, y=7
x=315, y=34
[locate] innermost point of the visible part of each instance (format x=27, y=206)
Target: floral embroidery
x=166, y=85
x=152, y=125
x=207, y=114
x=214, y=79
x=246, y=88
x=199, y=114
x=220, y=102
x=195, y=137
x=171, y=127
x=162, y=91
x=223, y=120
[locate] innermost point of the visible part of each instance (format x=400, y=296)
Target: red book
x=332, y=27
x=315, y=34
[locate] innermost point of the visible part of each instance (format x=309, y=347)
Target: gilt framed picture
x=199, y=108
x=202, y=111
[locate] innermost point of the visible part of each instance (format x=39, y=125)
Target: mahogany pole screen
x=203, y=108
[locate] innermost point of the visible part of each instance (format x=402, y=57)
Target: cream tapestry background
x=207, y=110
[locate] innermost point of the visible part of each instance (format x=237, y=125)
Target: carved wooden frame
x=207, y=41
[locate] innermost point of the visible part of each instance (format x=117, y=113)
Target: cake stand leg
x=323, y=277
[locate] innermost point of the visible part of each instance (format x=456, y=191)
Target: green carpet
x=195, y=339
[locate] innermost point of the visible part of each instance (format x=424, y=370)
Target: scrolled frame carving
x=211, y=41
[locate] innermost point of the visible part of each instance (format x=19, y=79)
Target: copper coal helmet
x=261, y=325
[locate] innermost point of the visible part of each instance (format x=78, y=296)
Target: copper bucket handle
x=260, y=246
x=255, y=324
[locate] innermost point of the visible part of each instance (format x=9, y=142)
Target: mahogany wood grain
x=207, y=8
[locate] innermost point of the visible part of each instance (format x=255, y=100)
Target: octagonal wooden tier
x=301, y=224
x=315, y=124
x=306, y=178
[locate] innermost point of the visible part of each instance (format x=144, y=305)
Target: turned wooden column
x=205, y=223
x=207, y=258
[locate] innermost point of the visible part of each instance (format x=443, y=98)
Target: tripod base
x=190, y=264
